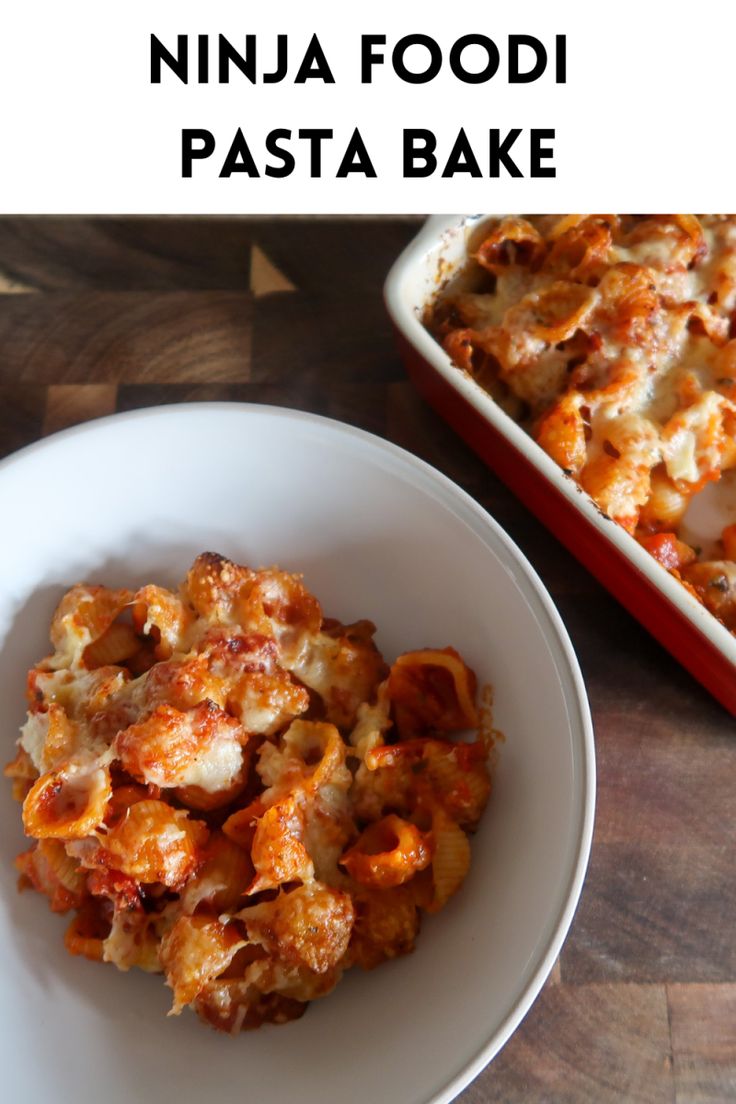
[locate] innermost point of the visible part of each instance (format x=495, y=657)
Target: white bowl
x=378, y=534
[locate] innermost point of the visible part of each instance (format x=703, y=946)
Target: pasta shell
x=132, y=941
x=240, y=826
x=562, y=433
x=388, y=853
x=235, y=1005
x=172, y=748
x=666, y=504
x=460, y=780
x=386, y=925
x=203, y=801
x=308, y=927
x=67, y=802
x=155, y=843
x=88, y=930
x=195, y=951
x=117, y=644
x=49, y=870
x=221, y=880
x=22, y=773
x=63, y=867
x=278, y=853
x=432, y=689
x=318, y=746
x=159, y=613
x=83, y=615
x=581, y=245
x=514, y=240
x=451, y=860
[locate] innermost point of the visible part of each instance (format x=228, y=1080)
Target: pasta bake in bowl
x=238, y=782
x=590, y=360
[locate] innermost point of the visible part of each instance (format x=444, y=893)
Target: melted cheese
x=215, y=769
x=636, y=312
x=680, y=456
x=161, y=871
x=33, y=737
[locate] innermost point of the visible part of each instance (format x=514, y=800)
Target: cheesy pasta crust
x=224, y=786
x=612, y=339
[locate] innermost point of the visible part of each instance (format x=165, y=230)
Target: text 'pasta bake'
x=225, y=786
x=612, y=339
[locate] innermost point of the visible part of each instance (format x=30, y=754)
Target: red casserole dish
x=688, y=630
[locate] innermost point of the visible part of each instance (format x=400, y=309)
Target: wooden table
x=100, y=315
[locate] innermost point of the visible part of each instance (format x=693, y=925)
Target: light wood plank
x=67, y=404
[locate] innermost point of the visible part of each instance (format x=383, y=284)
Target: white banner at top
x=172, y=106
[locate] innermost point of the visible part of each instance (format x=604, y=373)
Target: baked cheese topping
x=611, y=339
x=226, y=787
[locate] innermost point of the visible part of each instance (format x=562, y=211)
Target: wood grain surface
x=99, y=315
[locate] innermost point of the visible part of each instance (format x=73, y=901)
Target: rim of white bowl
x=578, y=707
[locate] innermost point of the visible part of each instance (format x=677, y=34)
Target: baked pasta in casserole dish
x=612, y=340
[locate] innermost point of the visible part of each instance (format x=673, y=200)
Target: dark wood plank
x=22, y=408
x=106, y=337
x=703, y=1019
x=128, y=254
x=347, y=256
x=136, y=396
x=323, y=339
x=598, y=1043
x=654, y=913
x=675, y=787
x=135, y=254
x=358, y=404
